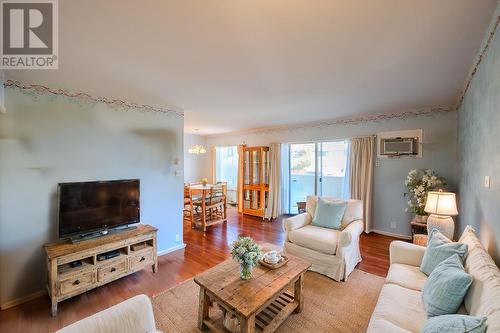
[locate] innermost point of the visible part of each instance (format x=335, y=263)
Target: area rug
x=329, y=306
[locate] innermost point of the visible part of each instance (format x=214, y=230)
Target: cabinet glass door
x=265, y=166
x=246, y=167
x=255, y=167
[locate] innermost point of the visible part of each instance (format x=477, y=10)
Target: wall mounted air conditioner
x=399, y=146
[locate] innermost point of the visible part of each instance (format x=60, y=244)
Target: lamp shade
x=441, y=203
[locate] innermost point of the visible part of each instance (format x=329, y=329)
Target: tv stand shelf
x=137, y=249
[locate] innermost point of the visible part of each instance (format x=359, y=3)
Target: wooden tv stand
x=137, y=249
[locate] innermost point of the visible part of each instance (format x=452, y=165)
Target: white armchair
x=333, y=253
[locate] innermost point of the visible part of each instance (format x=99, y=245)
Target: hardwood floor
x=202, y=252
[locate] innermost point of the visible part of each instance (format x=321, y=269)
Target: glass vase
x=246, y=272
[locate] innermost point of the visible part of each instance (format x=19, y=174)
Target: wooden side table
x=420, y=239
x=418, y=229
x=301, y=207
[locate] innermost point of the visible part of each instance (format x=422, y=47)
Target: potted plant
x=418, y=183
x=204, y=181
x=247, y=253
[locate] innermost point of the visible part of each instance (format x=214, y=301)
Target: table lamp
x=441, y=205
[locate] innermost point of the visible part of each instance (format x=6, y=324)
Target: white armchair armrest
x=406, y=253
x=296, y=222
x=131, y=316
x=351, y=232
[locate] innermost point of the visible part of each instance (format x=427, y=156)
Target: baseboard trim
x=391, y=234
x=171, y=249
x=20, y=300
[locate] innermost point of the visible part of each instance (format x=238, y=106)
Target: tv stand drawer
x=113, y=270
x=75, y=283
x=141, y=259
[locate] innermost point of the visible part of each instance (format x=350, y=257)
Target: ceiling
x=239, y=64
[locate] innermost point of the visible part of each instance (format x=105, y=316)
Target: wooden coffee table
x=261, y=304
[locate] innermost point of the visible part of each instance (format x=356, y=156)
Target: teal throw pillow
x=329, y=214
x=445, y=289
x=455, y=323
x=439, y=248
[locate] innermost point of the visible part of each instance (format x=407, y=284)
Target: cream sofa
x=135, y=315
x=333, y=253
x=400, y=307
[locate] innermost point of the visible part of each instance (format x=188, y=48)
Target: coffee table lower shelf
x=268, y=320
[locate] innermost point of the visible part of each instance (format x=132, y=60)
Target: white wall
x=45, y=141
x=439, y=153
x=196, y=166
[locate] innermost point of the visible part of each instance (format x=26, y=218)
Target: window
x=226, y=169
x=317, y=169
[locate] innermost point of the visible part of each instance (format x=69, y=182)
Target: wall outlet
x=177, y=238
x=393, y=225
x=487, y=181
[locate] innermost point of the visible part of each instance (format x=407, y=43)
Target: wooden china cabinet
x=254, y=186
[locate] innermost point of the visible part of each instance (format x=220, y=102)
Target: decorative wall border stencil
x=83, y=98
x=347, y=121
x=478, y=62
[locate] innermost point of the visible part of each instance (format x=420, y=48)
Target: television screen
x=92, y=206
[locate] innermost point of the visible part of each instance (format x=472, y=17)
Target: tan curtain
x=213, y=158
x=361, y=175
x=273, y=208
x=239, y=189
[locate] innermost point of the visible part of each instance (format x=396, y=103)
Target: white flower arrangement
x=419, y=182
x=247, y=253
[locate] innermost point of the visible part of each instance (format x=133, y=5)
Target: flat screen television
x=87, y=208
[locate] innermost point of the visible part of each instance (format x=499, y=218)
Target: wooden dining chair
x=214, y=212
x=224, y=186
x=187, y=212
x=217, y=202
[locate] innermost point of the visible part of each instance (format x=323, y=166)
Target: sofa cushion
x=483, y=297
x=353, y=211
x=438, y=249
x=316, y=238
x=454, y=323
x=398, y=309
x=407, y=276
x=329, y=214
x=446, y=287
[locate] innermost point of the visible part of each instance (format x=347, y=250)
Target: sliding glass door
x=317, y=169
x=302, y=173
x=332, y=169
